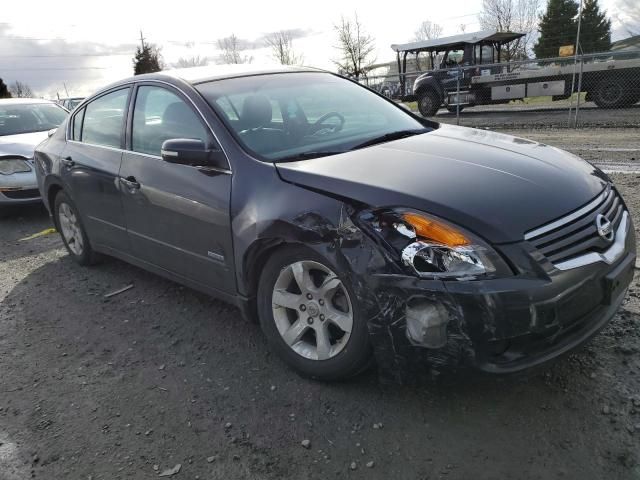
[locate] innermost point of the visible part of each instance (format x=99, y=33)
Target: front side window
x=104, y=119
x=299, y=115
x=17, y=118
x=160, y=115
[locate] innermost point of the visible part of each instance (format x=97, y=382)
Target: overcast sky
x=86, y=44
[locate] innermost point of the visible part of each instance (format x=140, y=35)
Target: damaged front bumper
x=500, y=325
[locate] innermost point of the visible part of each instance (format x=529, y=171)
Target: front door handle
x=130, y=182
x=68, y=162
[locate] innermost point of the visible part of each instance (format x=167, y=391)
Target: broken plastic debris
x=119, y=291
x=47, y=231
x=170, y=471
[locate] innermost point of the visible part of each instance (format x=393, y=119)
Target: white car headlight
x=434, y=248
x=11, y=166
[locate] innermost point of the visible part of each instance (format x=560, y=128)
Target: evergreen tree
x=595, y=31
x=558, y=27
x=4, y=90
x=147, y=59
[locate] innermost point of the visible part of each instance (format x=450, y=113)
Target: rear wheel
x=454, y=108
x=611, y=93
x=72, y=231
x=311, y=317
x=428, y=103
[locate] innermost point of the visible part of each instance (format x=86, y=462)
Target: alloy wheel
x=312, y=310
x=70, y=228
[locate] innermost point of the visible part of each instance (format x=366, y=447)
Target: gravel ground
x=522, y=116
x=160, y=376
x=611, y=148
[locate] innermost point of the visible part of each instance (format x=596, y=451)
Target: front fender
x=428, y=82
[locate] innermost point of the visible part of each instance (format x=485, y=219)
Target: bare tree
x=628, y=14
x=463, y=28
x=281, y=44
x=20, y=90
x=356, y=48
x=519, y=16
x=232, y=50
x=427, y=31
x=194, y=61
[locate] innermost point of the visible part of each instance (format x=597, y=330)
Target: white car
x=24, y=123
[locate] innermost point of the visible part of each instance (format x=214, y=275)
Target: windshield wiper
x=306, y=156
x=388, y=137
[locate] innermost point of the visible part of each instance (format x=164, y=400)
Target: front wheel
x=428, y=103
x=311, y=317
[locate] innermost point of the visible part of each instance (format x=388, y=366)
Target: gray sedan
x=24, y=123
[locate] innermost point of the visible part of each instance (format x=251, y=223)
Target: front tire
x=311, y=317
x=73, y=233
x=428, y=103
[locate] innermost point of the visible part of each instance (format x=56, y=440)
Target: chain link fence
x=579, y=91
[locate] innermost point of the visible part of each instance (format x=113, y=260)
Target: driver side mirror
x=192, y=152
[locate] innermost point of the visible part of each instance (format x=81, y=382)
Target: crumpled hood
x=495, y=185
x=22, y=144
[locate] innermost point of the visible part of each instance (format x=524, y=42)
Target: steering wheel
x=319, y=123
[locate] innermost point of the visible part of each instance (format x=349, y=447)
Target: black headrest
x=178, y=112
x=256, y=111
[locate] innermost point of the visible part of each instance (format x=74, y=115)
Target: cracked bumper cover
x=500, y=325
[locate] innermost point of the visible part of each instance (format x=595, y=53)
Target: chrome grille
x=577, y=234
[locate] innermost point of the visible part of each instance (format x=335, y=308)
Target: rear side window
x=77, y=126
x=104, y=119
x=160, y=115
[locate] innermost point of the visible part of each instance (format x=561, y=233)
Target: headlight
x=434, y=248
x=9, y=167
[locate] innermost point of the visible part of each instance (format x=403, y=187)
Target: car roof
x=194, y=75
x=19, y=101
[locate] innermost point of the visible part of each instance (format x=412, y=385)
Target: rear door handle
x=130, y=183
x=68, y=162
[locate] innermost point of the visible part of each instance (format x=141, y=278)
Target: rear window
x=104, y=119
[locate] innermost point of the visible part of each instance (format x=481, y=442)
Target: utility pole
x=141, y=41
x=575, y=65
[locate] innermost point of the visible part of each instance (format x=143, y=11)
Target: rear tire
x=320, y=332
x=453, y=109
x=428, y=103
x=611, y=93
x=72, y=231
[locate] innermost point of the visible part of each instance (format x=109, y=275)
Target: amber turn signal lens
x=436, y=231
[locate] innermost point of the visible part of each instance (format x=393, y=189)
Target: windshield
x=30, y=117
x=292, y=116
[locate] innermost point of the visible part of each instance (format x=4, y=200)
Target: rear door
x=91, y=163
x=177, y=215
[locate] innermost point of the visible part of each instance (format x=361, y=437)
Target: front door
x=177, y=215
